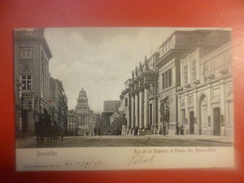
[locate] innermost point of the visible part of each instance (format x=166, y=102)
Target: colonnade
x=143, y=120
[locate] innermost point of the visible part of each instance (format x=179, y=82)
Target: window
x=163, y=85
x=126, y=102
x=26, y=82
x=216, y=66
x=170, y=77
x=167, y=79
x=162, y=50
x=42, y=62
x=25, y=53
x=185, y=73
x=194, y=70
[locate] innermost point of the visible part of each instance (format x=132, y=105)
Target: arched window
x=26, y=78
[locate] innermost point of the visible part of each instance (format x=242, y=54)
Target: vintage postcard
x=123, y=98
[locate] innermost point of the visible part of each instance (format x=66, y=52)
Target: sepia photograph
x=123, y=98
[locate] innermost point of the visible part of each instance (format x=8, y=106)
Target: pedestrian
x=177, y=129
x=24, y=130
x=136, y=130
x=182, y=130
x=95, y=131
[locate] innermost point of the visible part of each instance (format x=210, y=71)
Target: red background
x=113, y=13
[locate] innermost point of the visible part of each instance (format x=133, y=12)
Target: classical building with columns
x=158, y=99
x=140, y=99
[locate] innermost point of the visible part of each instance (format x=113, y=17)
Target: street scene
x=123, y=87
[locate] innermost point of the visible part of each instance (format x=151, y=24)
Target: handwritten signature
x=140, y=159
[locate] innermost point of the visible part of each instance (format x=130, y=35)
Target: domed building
x=82, y=108
x=81, y=120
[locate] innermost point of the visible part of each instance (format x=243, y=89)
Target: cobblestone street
x=129, y=141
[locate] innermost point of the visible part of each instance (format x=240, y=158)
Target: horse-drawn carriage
x=47, y=127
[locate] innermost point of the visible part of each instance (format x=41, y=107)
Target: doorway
x=24, y=120
x=150, y=114
x=192, y=121
x=216, y=122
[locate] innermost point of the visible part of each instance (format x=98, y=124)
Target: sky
x=100, y=60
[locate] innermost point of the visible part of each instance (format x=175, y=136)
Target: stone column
x=179, y=110
x=159, y=115
x=146, y=106
x=222, y=108
x=141, y=124
x=210, y=112
x=154, y=107
x=128, y=118
x=132, y=111
x=136, y=109
x=154, y=113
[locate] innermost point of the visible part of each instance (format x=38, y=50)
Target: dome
x=82, y=101
x=82, y=94
x=82, y=91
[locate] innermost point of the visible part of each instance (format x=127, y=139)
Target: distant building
x=80, y=119
x=116, y=114
x=108, y=109
x=72, y=126
x=82, y=108
x=58, y=98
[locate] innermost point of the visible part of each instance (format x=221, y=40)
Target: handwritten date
x=84, y=164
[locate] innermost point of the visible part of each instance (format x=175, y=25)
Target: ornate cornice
x=33, y=36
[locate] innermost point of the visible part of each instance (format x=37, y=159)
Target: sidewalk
x=196, y=137
x=173, y=137
x=31, y=141
x=20, y=142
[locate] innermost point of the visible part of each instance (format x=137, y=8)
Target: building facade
x=32, y=80
x=205, y=98
x=189, y=75
x=31, y=67
x=109, y=107
x=82, y=108
x=58, y=100
x=139, y=99
x=72, y=126
x=82, y=120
